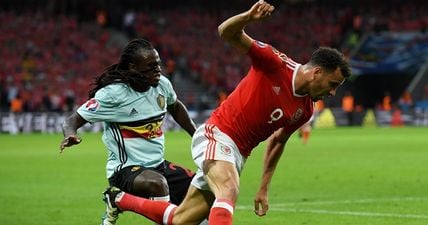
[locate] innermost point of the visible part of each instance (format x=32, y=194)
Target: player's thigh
x=194, y=208
x=139, y=181
x=124, y=178
x=223, y=178
x=150, y=182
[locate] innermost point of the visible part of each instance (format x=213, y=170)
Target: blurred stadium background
x=52, y=49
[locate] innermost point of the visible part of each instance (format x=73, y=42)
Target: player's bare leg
x=147, y=184
x=223, y=179
x=194, y=208
x=192, y=211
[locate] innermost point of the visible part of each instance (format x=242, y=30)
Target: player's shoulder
x=260, y=44
x=164, y=80
x=116, y=88
x=113, y=92
x=165, y=84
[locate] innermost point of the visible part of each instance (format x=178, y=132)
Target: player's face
x=325, y=84
x=149, y=65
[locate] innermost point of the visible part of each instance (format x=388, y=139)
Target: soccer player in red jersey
x=274, y=99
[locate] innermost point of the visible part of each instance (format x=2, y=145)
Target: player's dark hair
x=330, y=59
x=120, y=72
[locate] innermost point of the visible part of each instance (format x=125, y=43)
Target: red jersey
x=264, y=101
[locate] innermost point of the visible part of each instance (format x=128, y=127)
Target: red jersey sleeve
x=263, y=56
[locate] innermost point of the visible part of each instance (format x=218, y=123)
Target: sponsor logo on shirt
x=148, y=131
x=92, y=105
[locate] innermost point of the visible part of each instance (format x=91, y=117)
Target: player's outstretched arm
x=180, y=114
x=274, y=150
x=232, y=29
x=69, y=129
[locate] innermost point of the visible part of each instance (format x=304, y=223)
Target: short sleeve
x=171, y=96
x=264, y=56
x=102, y=107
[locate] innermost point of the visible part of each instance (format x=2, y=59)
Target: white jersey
x=132, y=123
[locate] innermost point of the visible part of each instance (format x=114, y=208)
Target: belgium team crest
x=161, y=101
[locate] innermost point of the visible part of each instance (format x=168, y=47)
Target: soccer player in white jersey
x=132, y=98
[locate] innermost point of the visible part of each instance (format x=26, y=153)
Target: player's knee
x=229, y=190
x=150, y=184
x=233, y=192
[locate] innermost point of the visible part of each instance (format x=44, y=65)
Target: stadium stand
x=50, y=55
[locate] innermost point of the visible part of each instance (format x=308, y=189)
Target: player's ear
x=313, y=73
x=317, y=71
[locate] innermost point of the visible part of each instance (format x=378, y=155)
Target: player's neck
x=301, y=82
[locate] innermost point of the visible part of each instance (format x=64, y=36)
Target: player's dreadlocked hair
x=120, y=73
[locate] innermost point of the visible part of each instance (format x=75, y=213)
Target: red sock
x=221, y=212
x=153, y=210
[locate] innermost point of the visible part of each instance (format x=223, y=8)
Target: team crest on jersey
x=161, y=101
x=296, y=116
x=261, y=44
x=225, y=150
x=92, y=105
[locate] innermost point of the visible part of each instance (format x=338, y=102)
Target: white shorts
x=209, y=142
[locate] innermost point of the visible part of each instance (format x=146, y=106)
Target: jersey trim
x=293, y=81
x=211, y=141
x=117, y=135
x=143, y=122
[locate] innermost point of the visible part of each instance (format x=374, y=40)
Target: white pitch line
x=346, y=213
x=369, y=200
x=282, y=207
x=350, y=213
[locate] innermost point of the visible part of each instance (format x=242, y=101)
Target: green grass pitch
x=343, y=176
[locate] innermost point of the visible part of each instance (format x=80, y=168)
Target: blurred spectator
x=129, y=22
x=305, y=131
x=423, y=102
x=40, y=51
x=405, y=102
x=348, y=107
x=169, y=70
x=425, y=93
x=386, y=102
x=4, y=102
x=319, y=106
x=221, y=96
x=62, y=49
x=17, y=104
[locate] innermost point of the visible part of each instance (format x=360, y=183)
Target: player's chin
x=154, y=83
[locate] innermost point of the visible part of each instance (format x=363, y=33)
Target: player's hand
x=261, y=203
x=69, y=141
x=260, y=10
